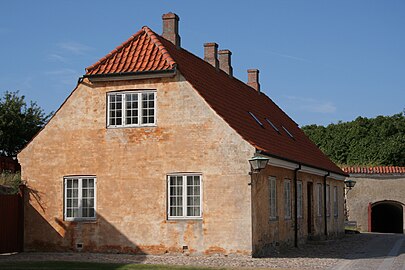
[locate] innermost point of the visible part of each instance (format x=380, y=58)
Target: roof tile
x=229, y=97
x=375, y=170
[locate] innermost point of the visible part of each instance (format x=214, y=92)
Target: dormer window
x=256, y=119
x=131, y=109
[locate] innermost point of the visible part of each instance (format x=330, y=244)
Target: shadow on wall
x=58, y=235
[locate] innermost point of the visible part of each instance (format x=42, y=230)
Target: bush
x=10, y=182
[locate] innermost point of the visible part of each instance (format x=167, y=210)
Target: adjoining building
x=377, y=202
x=150, y=154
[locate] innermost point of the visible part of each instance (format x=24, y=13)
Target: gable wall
x=131, y=165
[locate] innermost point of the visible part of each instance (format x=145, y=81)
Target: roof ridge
x=166, y=55
x=151, y=35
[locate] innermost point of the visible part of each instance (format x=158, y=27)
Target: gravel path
x=316, y=255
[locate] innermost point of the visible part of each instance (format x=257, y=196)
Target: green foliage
x=12, y=180
x=18, y=122
x=376, y=141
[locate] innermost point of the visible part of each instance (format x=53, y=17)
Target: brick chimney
x=225, y=61
x=211, y=53
x=253, y=79
x=171, y=28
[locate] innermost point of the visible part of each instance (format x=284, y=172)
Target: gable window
x=79, y=198
x=131, y=109
x=335, y=201
x=287, y=199
x=319, y=191
x=184, y=196
x=273, y=197
x=299, y=199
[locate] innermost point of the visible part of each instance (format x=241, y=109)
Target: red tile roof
x=141, y=52
x=375, y=170
x=228, y=96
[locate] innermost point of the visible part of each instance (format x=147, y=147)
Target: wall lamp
x=350, y=183
x=258, y=163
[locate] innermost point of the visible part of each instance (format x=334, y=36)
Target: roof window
x=289, y=133
x=272, y=125
x=256, y=119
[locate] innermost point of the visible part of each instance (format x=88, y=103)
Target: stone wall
x=131, y=166
x=370, y=189
x=269, y=234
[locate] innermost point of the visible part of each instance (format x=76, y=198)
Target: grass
x=90, y=266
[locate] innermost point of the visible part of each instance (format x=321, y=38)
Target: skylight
x=272, y=125
x=289, y=133
x=256, y=119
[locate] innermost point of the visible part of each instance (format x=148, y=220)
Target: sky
x=320, y=61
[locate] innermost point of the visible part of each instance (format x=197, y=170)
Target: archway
x=387, y=217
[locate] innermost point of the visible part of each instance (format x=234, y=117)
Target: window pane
x=148, y=108
x=115, y=109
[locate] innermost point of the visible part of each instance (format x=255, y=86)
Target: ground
x=357, y=251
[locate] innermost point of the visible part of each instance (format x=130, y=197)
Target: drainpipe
x=296, y=206
x=324, y=204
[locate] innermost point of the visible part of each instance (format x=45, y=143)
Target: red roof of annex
x=374, y=170
x=229, y=97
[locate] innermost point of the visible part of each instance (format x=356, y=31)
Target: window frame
x=287, y=199
x=273, y=199
x=80, y=198
x=328, y=200
x=335, y=202
x=184, y=196
x=299, y=199
x=320, y=199
x=124, y=109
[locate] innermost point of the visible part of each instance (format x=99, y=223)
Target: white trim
x=123, y=94
x=282, y=163
x=311, y=170
x=184, y=196
x=337, y=176
x=80, y=190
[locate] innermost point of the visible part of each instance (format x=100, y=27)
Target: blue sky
x=320, y=61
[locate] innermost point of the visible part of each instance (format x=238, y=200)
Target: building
x=150, y=154
x=377, y=201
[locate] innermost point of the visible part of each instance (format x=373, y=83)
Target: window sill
x=132, y=126
x=273, y=219
x=81, y=220
x=184, y=219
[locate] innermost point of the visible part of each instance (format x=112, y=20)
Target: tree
x=18, y=122
x=372, y=142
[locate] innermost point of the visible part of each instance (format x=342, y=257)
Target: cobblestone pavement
x=336, y=254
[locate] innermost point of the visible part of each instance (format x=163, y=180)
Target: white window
x=327, y=200
x=273, y=197
x=80, y=198
x=335, y=201
x=131, y=109
x=184, y=196
x=287, y=199
x=299, y=199
x=319, y=190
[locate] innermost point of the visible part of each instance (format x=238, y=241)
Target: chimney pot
x=211, y=53
x=225, y=61
x=171, y=28
x=253, y=79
